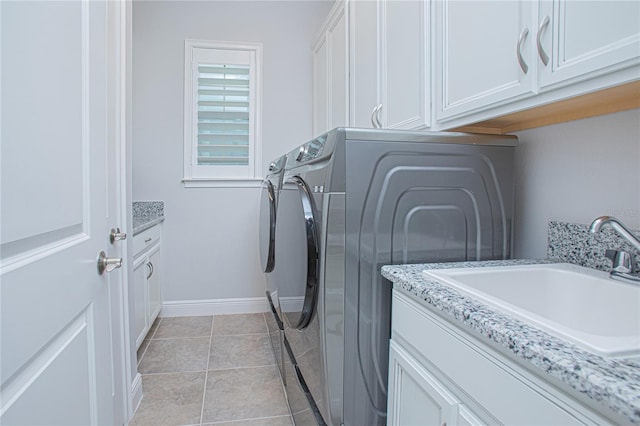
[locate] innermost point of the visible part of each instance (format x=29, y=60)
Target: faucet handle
x=620, y=259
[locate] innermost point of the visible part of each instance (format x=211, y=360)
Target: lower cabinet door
x=153, y=280
x=415, y=396
x=141, y=317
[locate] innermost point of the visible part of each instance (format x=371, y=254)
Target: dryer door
x=297, y=253
x=267, y=226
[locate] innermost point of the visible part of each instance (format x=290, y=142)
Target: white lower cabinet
x=140, y=312
x=418, y=397
x=147, y=285
x=440, y=374
x=153, y=283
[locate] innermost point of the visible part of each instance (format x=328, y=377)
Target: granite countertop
x=146, y=214
x=609, y=382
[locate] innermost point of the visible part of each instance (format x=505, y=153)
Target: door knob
x=116, y=235
x=108, y=263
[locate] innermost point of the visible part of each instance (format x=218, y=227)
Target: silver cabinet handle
x=150, y=267
x=521, y=39
x=378, y=116
x=116, y=235
x=374, y=117
x=541, y=29
x=148, y=240
x=108, y=263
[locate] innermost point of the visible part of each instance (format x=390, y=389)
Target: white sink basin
x=574, y=303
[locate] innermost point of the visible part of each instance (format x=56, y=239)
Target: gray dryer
x=351, y=201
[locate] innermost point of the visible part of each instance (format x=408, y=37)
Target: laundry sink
x=575, y=303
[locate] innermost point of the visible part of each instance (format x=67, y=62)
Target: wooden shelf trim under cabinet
x=607, y=101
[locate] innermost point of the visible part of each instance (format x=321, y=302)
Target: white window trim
x=255, y=175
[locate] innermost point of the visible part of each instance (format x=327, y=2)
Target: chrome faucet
x=623, y=267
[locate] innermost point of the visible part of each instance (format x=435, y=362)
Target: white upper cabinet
x=337, y=43
x=404, y=67
x=484, y=54
x=495, y=58
x=320, y=86
x=498, y=65
x=390, y=64
x=331, y=72
x=363, y=83
x=584, y=39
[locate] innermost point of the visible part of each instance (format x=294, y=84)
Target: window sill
x=221, y=183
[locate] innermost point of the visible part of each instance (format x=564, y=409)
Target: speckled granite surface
x=146, y=214
x=612, y=383
x=572, y=243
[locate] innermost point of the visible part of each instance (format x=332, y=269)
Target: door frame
x=120, y=56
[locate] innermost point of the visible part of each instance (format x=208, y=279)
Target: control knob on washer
x=301, y=153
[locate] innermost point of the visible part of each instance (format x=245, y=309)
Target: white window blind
x=222, y=117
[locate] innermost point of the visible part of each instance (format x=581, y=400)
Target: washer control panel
x=311, y=150
x=277, y=165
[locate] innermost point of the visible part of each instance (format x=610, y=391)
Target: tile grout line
x=159, y=319
x=244, y=420
x=211, y=369
x=206, y=372
x=180, y=338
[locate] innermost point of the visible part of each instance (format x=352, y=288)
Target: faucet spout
x=603, y=221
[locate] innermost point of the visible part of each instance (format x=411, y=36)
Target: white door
x=331, y=72
x=583, y=39
x=56, y=310
x=484, y=54
x=320, y=86
x=363, y=76
x=338, y=73
x=415, y=396
x=155, y=287
x=404, y=68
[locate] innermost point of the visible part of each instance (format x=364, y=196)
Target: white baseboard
x=136, y=393
x=291, y=304
x=188, y=308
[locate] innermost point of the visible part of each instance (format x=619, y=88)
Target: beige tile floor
x=213, y=370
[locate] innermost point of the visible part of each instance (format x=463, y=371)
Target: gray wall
x=209, y=242
x=575, y=172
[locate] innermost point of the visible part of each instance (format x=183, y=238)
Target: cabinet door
x=331, y=72
x=338, y=69
x=479, y=44
x=467, y=418
x=415, y=396
x=404, y=70
x=587, y=38
x=320, y=86
x=363, y=84
x=154, y=284
x=141, y=307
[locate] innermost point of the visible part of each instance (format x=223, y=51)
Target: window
x=221, y=113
